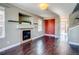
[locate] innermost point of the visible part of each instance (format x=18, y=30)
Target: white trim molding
x=9, y=47
x=14, y=45
x=51, y=35
x=74, y=43
x=37, y=37
x=17, y=44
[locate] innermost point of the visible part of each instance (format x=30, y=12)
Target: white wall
x=74, y=35
x=13, y=34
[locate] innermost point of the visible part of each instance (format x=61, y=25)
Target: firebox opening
x=26, y=34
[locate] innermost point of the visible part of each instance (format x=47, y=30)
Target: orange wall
x=49, y=26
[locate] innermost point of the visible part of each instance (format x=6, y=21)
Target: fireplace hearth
x=26, y=34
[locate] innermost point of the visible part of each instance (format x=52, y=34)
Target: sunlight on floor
x=63, y=37
x=40, y=47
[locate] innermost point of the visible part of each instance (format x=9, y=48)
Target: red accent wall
x=49, y=26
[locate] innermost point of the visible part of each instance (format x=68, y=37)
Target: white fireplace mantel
x=24, y=26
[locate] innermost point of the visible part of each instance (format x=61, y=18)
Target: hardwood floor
x=43, y=46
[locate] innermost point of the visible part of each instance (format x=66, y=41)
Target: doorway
x=49, y=26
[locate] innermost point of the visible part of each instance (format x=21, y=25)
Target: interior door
x=49, y=26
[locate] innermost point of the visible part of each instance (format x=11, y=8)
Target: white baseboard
x=51, y=35
x=74, y=43
x=9, y=47
x=14, y=45
x=37, y=37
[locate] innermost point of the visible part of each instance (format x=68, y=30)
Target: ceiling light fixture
x=43, y=6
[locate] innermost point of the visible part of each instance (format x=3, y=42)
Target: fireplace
x=26, y=34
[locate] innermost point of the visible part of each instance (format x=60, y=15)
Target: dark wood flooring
x=43, y=46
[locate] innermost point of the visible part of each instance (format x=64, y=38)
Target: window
x=39, y=25
x=2, y=22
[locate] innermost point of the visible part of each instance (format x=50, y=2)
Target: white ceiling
x=62, y=9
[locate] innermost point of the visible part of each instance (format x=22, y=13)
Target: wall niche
x=24, y=18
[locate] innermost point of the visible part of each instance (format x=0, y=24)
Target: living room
x=28, y=29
